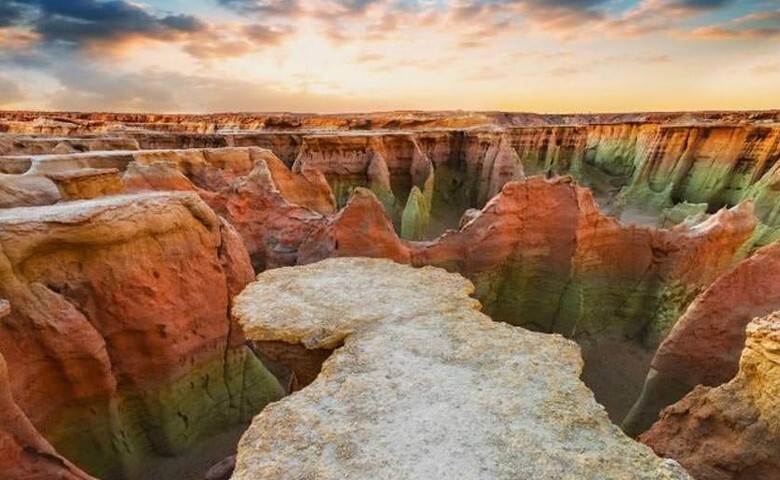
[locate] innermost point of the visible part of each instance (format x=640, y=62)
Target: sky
x=329, y=56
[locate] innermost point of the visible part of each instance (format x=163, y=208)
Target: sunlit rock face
x=648, y=239
x=118, y=343
x=731, y=431
x=422, y=385
x=704, y=346
x=24, y=453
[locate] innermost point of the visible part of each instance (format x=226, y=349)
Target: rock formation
x=704, y=346
x=673, y=200
x=732, y=431
x=390, y=402
x=24, y=454
x=579, y=273
x=250, y=187
x=88, y=183
x=119, y=343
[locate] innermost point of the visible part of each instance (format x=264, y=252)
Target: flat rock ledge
x=422, y=386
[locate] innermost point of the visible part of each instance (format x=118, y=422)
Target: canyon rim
x=200, y=280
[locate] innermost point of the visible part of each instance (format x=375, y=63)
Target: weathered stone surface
x=424, y=385
x=24, y=453
x=360, y=229
x=732, y=431
x=416, y=215
x=580, y=271
x=541, y=255
x=88, y=183
x=307, y=188
x=704, y=346
x=14, y=144
x=119, y=343
x=223, y=470
x=22, y=190
x=304, y=363
x=273, y=308
x=273, y=209
x=48, y=179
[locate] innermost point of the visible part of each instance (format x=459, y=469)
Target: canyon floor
x=390, y=295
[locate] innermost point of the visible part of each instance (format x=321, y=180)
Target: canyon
x=565, y=287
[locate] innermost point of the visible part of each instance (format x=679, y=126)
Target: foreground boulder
x=119, y=345
x=733, y=431
x=422, y=385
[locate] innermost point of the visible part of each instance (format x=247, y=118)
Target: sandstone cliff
x=24, y=453
x=118, y=340
x=732, y=431
x=704, y=346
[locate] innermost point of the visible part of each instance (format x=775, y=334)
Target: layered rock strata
x=542, y=271
x=422, y=385
x=119, y=342
x=251, y=188
x=732, y=431
x=637, y=165
x=562, y=273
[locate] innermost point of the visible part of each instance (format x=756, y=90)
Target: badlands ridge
x=581, y=296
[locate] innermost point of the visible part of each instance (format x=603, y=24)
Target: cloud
x=654, y=16
x=13, y=39
x=716, y=32
x=263, y=34
x=563, y=15
x=699, y=4
x=763, y=25
x=227, y=41
x=572, y=65
x=767, y=68
x=268, y=7
x=106, y=27
x=11, y=12
x=772, y=16
x=369, y=57
x=85, y=23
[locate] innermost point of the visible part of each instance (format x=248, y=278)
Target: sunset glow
x=357, y=55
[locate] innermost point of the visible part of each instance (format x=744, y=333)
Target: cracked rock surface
x=424, y=386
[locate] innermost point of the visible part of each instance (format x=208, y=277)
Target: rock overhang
x=429, y=388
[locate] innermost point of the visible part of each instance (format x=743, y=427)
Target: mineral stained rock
x=360, y=229
x=24, y=454
x=272, y=208
x=459, y=190
x=732, y=431
x=704, y=346
x=578, y=273
x=422, y=385
x=562, y=274
x=119, y=344
x=88, y=183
